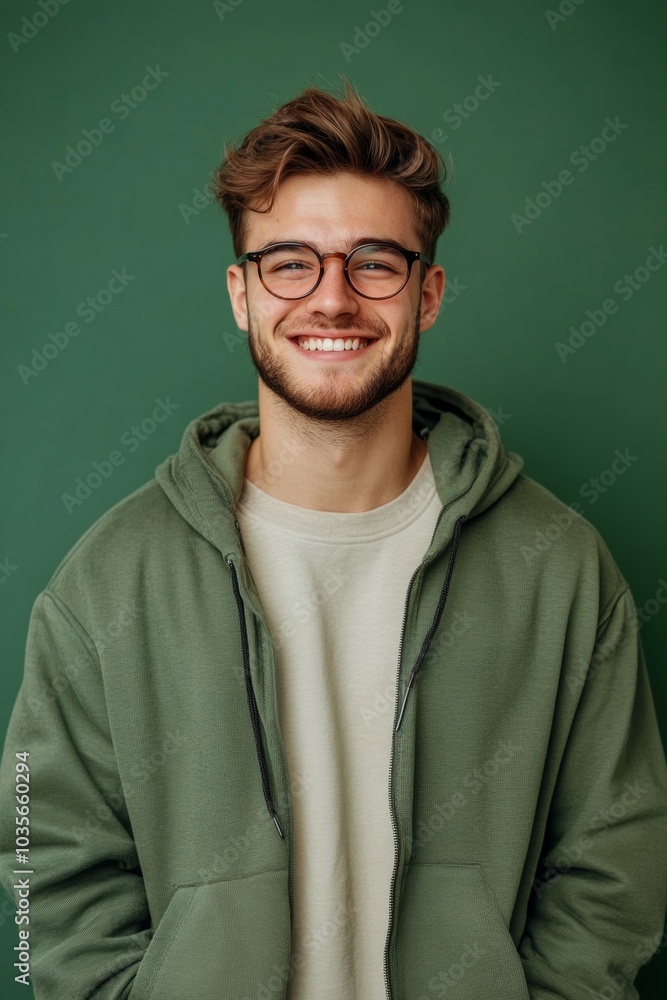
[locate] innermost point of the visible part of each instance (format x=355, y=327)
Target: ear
x=237, y=295
x=432, y=291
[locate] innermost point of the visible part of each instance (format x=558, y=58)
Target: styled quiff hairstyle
x=317, y=133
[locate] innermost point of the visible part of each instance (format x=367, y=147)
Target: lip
x=335, y=356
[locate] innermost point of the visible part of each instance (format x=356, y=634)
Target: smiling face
x=335, y=213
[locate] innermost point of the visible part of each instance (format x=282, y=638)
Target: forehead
x=334, y=211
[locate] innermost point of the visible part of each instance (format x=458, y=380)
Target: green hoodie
x=528, y=783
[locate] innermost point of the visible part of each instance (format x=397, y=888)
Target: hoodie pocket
x=227, y=938
x=451, y=938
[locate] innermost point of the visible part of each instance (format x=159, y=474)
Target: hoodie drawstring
x=252, y=703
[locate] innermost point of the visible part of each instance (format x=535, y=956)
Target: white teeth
x=329, y=344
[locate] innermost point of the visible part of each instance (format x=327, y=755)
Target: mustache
x=376, y=327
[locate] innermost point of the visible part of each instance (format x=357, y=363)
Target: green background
x=171, y=333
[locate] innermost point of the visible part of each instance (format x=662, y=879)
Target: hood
x=204, y=479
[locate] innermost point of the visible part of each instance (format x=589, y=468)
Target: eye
x=373, y=265
x=289, y=260
x=289, y=265
x=379, y=260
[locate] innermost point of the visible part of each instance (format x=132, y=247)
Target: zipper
x=397, y=722
x=392, y=888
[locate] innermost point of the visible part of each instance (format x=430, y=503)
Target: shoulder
x=554, y=539
x=124, y=544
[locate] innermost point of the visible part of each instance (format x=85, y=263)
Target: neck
x=347, y=466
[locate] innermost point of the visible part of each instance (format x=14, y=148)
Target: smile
x=329, y=344
x=329, y=349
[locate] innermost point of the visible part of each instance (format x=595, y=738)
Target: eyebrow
x=349, y=245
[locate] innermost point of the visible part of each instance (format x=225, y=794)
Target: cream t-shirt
x=333, y=588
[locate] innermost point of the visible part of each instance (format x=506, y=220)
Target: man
x=342, y=704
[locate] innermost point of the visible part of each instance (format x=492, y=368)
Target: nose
x=333, y=295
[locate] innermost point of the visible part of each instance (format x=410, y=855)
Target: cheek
x=402, y=322
x=265, y=316
x=279, y=318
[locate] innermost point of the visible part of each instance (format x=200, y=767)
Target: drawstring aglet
x=405, y=698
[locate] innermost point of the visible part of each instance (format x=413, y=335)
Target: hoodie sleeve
x=598, y=904
x=89, y=921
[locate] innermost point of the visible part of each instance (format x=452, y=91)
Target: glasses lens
x=290, y=270
x=377, y=270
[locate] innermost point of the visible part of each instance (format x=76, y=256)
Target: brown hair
x=317, y=133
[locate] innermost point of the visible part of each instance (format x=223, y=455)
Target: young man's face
x=334, y=213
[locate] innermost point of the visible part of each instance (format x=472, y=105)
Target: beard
x=338, y=395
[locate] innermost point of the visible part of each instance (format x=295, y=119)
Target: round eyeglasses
x=294, y=270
